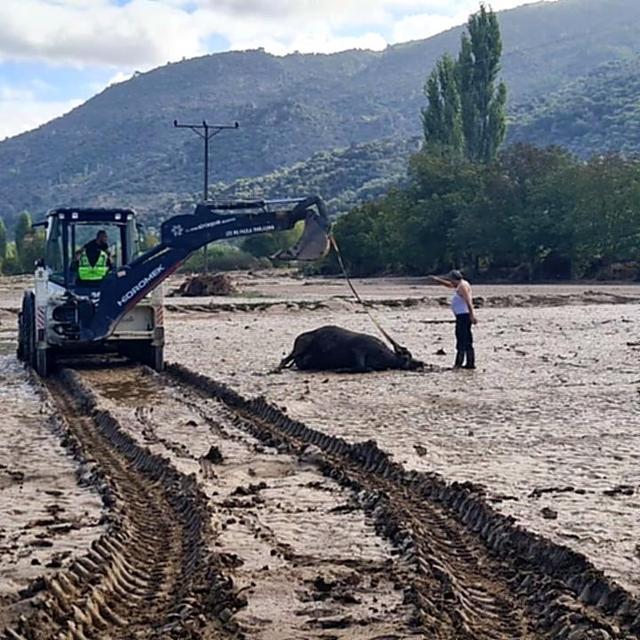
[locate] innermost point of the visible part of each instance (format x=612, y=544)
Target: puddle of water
x=124, y=383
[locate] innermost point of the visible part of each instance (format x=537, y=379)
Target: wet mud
x=150, y=573
x=476, y=574
x=554, y=403
x=49, y=510
x=501, y=503
x=303, y=555
x=228, y=517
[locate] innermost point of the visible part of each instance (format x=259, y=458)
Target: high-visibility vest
x=96, y=272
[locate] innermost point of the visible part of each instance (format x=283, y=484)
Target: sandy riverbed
x=46, y=515
x=548, y=423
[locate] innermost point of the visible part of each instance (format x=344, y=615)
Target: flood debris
x=206, y=284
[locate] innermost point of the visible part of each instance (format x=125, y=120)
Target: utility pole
x=206, y=131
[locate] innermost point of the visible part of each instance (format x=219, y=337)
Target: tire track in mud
x=151, y=574
x=473, y=574
x=274, y=515
x=477, y=575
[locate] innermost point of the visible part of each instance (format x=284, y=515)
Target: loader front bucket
x=313, y=243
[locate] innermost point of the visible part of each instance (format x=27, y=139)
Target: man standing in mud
x=462, y=307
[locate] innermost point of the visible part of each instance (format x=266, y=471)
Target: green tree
x=32, y=250
x=441, y=119
x=482, y=102
x=20, y=230
x=539, y=197
x=10, y=265
x=466, y=106
x=3, y=240
x=606, y=219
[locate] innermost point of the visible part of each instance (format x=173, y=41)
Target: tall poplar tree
x=483, y=103
x=465, y=113
x=21, y=229
x=441, y=120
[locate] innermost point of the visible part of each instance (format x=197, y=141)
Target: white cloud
x=21, y=110
x=423, y=25
x=81, y=32
x=141, y=34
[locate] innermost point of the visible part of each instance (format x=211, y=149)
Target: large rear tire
x=37, y=358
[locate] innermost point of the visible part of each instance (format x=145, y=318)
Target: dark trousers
x=464, y=339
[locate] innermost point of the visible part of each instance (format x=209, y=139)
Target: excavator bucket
x=313, y=243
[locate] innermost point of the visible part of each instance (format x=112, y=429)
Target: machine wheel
x=154, y=357
x=20, y=348
x=27, y=335
x=144, y=353
x=43, y=362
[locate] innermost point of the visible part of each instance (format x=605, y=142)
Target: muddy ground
x=549, y=421
x=47, y=513
x=548, y=424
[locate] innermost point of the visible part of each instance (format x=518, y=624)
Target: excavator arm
x=181, y=235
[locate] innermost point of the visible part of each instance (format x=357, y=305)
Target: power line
x=206, y=131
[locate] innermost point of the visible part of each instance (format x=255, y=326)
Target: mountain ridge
x=120, y=147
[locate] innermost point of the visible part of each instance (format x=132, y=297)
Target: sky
x=55, y=54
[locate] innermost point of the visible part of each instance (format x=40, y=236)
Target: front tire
x=20, y=349
x=27, y=331
x=43, y=362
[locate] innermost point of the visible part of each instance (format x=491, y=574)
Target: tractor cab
x=69, y=231
x=58, y=314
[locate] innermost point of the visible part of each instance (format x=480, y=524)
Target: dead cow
x=331, y=348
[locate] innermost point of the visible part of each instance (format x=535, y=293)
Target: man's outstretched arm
x=443, y=281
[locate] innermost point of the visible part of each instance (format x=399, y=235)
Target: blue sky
x=55, y=54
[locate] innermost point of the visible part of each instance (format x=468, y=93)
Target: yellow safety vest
x=92, y=273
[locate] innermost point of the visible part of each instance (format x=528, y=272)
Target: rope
x=364, y=304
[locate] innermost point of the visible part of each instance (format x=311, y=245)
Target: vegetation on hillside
x=20, y=255
x=344, y=177
x=529, y=213
x=597, y=113
x=120, y=148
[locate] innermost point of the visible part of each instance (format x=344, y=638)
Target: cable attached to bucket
x=397, y=347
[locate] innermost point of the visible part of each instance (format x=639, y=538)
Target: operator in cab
x=93, y=262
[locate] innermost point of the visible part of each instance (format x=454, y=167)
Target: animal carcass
x=332, y=348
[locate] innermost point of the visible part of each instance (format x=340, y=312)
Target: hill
x=598, y=112
x=119, y=147
x=345, y=177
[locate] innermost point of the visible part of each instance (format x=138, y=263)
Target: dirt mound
x=206, y=284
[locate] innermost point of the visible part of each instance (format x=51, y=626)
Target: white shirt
x=458, y=303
